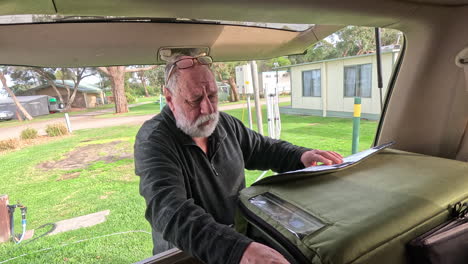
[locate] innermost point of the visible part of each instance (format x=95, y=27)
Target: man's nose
x=206, y=106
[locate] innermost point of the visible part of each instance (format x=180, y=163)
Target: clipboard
x=349, y=161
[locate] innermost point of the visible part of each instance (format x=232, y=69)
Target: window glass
x=311, y=83
x=95, y=184
x=358, y=80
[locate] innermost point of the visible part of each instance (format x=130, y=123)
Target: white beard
x=193, y=130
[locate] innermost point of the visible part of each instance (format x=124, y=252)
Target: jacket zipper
x=214, y=169
x=210, y=160
x=291, y=248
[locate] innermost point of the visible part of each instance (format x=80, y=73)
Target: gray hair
x=172, y=83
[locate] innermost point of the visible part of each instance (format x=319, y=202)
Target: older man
x=191, y=161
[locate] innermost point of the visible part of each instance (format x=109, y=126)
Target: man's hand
x=257, y=253
x=311, y=157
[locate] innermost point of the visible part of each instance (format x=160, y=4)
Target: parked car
x=6, y=115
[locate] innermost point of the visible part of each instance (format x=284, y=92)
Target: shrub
x=29, y=133
x=57, y=129
x=7, y=144
x=130, y=97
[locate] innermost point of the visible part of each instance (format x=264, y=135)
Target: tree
x=156, y=79
x=48, y=74
x=24, y=78
x=226, y=73
x=156, y=76
x=104, y=81
x=144, y=77
x=76, y=75
x=28, y=77
x=116, y=75
x=15, y=100
x=361, y=40
x=349, y=41
x=322, y=50
x=268, y=65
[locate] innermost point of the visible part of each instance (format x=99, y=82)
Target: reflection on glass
x=294, y=219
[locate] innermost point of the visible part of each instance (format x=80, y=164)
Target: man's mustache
x=204, y=118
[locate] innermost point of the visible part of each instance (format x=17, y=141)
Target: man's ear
x=169, y=98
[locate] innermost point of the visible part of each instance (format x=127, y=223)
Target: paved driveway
x=87, y=120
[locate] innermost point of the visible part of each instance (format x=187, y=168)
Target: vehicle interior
x=425, y=110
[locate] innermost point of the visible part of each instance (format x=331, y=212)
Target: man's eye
x=194, y=103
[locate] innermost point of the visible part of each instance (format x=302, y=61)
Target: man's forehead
x=197, y=79
x=197, y=70
x=195, y=90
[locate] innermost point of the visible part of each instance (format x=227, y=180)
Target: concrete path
x=80, y=222
x=87, y=120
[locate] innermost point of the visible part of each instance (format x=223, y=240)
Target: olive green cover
x=371, y=210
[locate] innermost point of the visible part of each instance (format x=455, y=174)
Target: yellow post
x=356, y=124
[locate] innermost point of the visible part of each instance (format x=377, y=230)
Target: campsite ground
x=99, y=117
x=92, y=170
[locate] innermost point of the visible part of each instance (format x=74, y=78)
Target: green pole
x=356, y=123
x=162, y=102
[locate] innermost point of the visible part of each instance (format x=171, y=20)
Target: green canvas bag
x=366, y=213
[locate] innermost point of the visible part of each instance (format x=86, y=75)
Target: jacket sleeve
x=170, y=212
x=263, y=153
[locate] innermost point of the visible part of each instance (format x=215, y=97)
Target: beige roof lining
x=359, y=12
x=427, y=112
x=122, y=43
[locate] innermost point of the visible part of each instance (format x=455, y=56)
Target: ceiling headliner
x=91, y=44
x=96, y=44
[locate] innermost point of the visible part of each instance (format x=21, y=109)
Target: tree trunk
x=234, y=93
x=15, y=100
x=220, y=77
x=68, y=104
x=143, y=82
x=231, y=95
x=56, y=90
x=146, y=91
x=72, y=97
x=42, y=73
x=117, y=77
x=18, y=115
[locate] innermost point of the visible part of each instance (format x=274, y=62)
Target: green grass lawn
x=101, y=186
x=138, y=110
x=153, y=108
x=147, y=99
